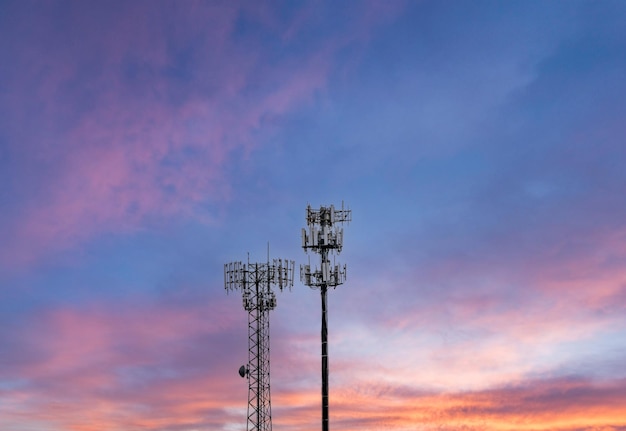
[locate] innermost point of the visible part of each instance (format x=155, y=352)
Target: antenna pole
x=324, y=362
x=324, y=237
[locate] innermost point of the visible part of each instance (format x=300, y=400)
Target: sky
x=479, y=145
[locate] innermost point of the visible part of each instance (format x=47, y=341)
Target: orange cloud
x=562, y=404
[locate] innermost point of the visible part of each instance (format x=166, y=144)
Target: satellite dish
x=242, y=371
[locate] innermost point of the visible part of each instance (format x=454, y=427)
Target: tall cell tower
x=255, y=281
x=324, y=237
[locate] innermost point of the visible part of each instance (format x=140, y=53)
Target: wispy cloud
x=479, y=147
x=120, y=367
x=144, y=129
x=162, y=367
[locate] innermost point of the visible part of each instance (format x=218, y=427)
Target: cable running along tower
x=255, y=281
x=324, y=237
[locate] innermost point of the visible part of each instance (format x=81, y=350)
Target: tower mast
x=324, y=237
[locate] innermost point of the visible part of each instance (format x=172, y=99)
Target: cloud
x=567, y=404
x=122, y=366
x=128, y=142
x=164, y=365
x=485, y=260
x=151, y=126
x=495, y=311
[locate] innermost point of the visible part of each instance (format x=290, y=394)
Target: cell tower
x=255, y=281
x=323, y=237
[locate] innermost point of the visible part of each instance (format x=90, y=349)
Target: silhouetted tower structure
x=255, y=281
x=324, y=237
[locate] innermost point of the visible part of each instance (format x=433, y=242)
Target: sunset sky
x=481, y=147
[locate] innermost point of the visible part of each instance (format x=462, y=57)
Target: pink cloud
x=464, y=323
x=129, y=366
x=125, y=142
x=157, y=366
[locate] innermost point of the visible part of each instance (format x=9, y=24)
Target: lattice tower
x=255, y=281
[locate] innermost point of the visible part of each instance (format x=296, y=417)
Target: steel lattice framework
x=324, y=237
x=255, y=281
